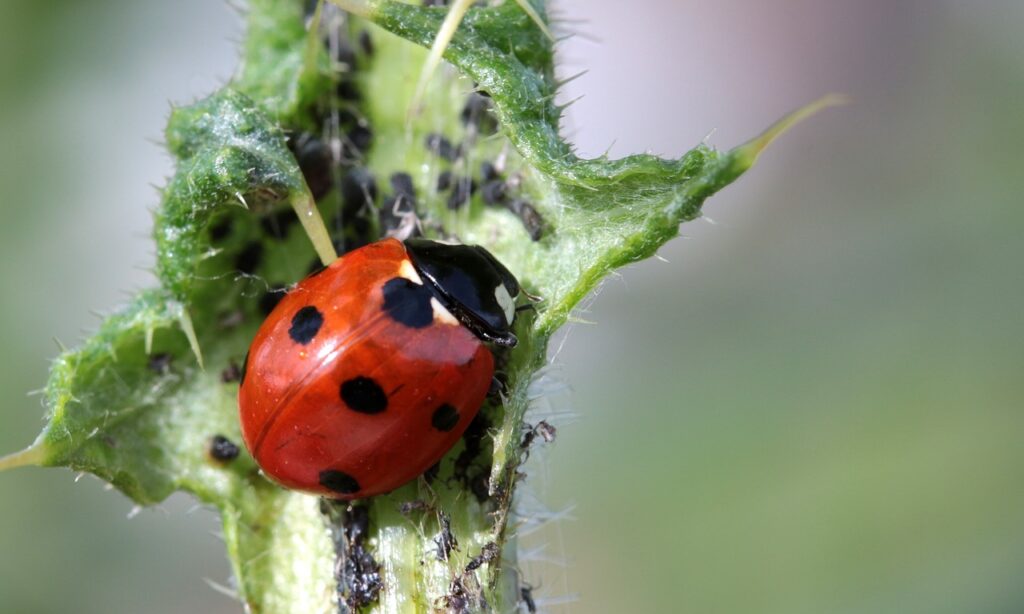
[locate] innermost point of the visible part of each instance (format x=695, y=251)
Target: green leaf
x=135, y=406
x=285, y=69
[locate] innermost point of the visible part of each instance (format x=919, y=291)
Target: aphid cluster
x=488, y=180
x=357, y=573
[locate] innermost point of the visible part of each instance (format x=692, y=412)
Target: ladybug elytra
x=368, y=372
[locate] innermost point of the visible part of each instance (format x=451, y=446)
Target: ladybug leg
x=531, y=297
x=498, y=386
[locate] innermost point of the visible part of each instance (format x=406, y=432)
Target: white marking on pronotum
x=408, y=271
x=441, y=314
x=506, y=302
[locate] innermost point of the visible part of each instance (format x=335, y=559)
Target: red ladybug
x=367, y=372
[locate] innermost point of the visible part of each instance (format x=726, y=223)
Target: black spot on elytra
x=222, y=449
x=306, y=324
x=249, y=258
x=445, y=418
x=364, y=395
x=339, y=482
x=408, y=303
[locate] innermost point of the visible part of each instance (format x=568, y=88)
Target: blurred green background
x=814, y=406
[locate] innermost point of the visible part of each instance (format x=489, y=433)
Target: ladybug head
x=472, y=284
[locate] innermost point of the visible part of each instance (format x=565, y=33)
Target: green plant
x=131, y=405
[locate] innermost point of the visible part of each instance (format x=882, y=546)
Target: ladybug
x=368, y=372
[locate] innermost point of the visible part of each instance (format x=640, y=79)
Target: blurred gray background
x=814, y=406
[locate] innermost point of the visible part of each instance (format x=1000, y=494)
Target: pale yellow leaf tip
x=32, y=455
x=535, y=16
x=748, y=153
x=313, y=223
